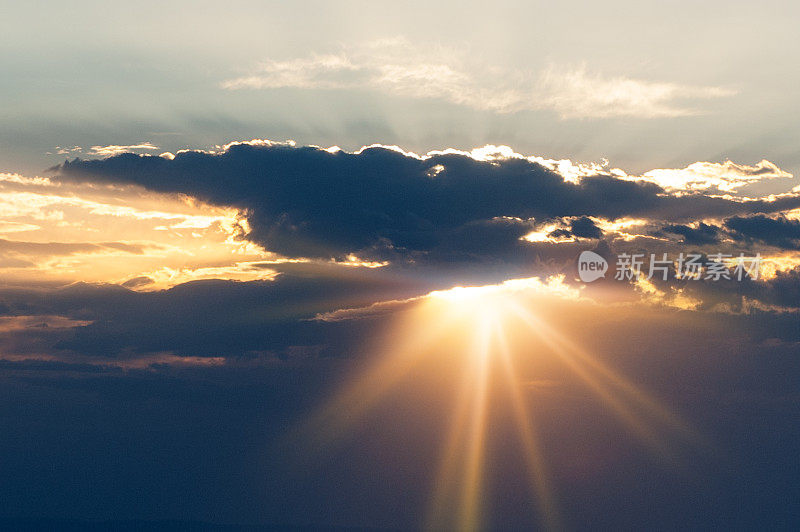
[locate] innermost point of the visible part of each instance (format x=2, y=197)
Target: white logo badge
x=591, y=266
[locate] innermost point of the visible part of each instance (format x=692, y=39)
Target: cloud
x=439, y=219
x=138, y=282
x=714, y=177
x=66, y=151
x=238, y=318
x=584, y=227
x=16, y=227
x=68, y=232
x=575, y=93
x=777, y=231
x=552, y=287
x=48, y=249
x=701, y=234
x=400, y=68
x=329, y=312
x=115, y=149
x=381, y=203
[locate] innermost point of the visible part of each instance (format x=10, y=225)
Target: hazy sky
x=645, y=85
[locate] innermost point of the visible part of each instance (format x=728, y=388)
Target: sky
x=688, y=81
x=369, y=265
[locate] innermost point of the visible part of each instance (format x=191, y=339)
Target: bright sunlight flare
x=480, y=346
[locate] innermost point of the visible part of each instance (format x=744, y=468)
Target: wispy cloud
x=115, y=149
x=104, y=151
x=726, y=177
x=577, y=93
x=400, y=68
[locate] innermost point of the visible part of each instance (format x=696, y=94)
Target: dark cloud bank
x=444, y=220
x=381, y=203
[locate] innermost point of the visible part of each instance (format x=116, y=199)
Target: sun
x=477, y=338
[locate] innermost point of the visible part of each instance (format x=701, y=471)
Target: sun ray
x=537, y=468
x=476, y=439
x=451, y=453
x=632, y=406
x=329, y=423
x=467, y=333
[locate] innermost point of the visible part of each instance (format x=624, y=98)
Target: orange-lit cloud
x=65, y=233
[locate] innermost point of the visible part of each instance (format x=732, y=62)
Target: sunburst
x=481, y=334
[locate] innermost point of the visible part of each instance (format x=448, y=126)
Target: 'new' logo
x=591, y=266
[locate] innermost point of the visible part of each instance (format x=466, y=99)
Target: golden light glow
x=149, y=240
x=480, y=343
